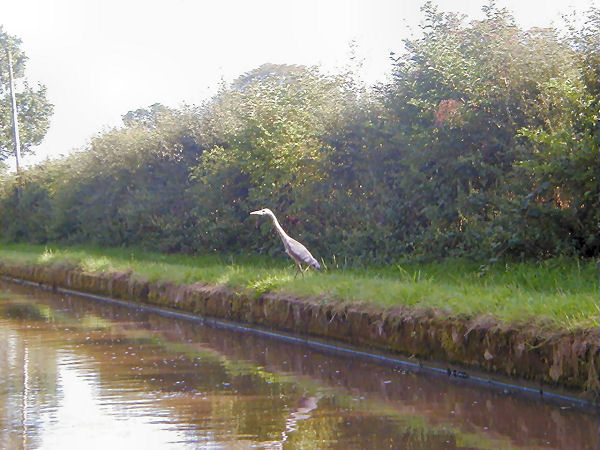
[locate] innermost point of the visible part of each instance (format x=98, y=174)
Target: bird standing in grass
x=298, y=252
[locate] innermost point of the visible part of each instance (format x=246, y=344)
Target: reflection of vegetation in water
x=93, y=322
x=371, y=418
x=216, y=387
x=27, y=311
x=28, y=376
x=245, y=395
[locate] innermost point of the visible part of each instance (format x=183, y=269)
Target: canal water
x=78, y=373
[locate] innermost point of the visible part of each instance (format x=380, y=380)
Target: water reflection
x=74, y=372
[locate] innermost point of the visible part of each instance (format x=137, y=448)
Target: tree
x=33, y=108
x=563, y=168
x=469, y=106
x=147, y=118
x=267, y=148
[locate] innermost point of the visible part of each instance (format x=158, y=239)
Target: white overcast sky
x=102, y=58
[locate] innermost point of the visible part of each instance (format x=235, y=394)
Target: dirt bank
x=563, y=359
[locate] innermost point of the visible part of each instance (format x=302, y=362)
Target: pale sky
x=100, y=59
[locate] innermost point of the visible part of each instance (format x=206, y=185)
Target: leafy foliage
x=483, y=143
x=269, y=149
x=33, y=109
x=476, y=103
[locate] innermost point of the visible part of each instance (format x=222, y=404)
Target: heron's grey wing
x=301, y=253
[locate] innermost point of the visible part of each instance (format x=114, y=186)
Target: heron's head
x=262, y=212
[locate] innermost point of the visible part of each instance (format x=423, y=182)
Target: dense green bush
x=483, y=143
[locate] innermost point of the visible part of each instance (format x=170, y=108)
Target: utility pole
x=14, y=111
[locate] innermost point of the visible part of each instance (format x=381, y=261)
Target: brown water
x=76, y=373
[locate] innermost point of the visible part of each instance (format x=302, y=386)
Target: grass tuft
x=561, y=291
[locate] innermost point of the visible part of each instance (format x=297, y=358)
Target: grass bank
x=558, y=293
x=534, y=321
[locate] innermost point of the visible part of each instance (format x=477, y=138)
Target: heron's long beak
x=255, y=212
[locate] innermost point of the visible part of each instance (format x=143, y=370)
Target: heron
x=298, y=252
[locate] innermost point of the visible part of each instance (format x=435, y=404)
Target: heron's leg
x=299, y=266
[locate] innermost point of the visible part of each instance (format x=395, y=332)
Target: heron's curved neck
x=282, y=233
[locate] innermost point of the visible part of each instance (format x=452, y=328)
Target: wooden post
x=14, y=112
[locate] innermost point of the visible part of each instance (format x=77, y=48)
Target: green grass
x=561, y=292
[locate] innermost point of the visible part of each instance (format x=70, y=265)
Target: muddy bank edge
x=561, y=359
